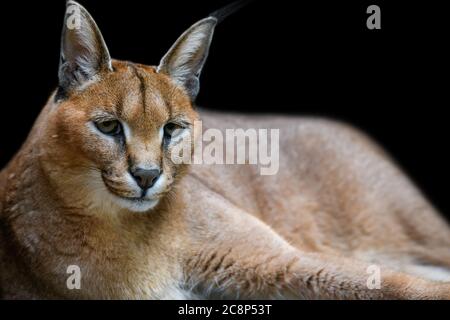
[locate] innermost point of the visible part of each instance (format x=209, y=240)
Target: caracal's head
x=113, y=125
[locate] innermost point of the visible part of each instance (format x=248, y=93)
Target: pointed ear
x=185, y=60
x=83, y=50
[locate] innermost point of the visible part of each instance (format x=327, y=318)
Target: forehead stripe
x=141, y=86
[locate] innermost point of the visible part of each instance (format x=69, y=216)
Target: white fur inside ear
x=187, y=56
x=190, y=53
x=84, y=51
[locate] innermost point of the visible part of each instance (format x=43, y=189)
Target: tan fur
x=337, y=205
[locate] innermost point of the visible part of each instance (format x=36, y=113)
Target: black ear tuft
x=228, y=10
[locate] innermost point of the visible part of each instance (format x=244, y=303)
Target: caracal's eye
x=170, y=130
x=110, y=128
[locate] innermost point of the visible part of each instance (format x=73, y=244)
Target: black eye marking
x=109, y=127
x=172, y=129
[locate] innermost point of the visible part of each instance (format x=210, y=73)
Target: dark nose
x=146, y=178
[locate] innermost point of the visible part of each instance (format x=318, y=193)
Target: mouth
x=134, y=199
x=139, y=204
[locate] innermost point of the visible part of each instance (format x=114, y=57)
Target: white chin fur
x=137, y=205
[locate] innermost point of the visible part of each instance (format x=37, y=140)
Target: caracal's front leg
x=234, y=255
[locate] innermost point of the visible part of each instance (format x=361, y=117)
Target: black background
x=281, y=309
x=294, y=57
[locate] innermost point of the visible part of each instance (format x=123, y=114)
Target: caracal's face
x=121, y=129
x=116, y=127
